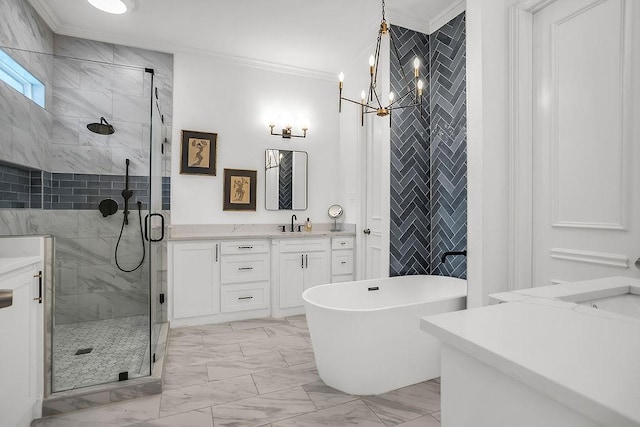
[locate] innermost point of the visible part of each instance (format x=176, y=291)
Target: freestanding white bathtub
x=366, y=334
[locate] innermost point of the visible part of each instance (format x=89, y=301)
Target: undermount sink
x=624, y=301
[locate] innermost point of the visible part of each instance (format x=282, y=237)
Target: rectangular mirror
x=285, y=180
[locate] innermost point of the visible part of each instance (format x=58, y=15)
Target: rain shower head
x=102, y=128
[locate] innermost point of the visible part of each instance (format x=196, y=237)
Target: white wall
x=488, y=148
x=235, y=100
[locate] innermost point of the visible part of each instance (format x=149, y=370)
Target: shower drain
x=84, y=351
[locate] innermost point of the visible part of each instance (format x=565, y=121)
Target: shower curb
x=104, y=394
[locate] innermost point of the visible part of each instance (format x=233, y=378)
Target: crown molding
x=44, y=10
x=405, y=20
x=447, y=15
x=171, y=48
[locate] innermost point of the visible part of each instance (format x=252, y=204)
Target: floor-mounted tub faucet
x=292, y=218
x=443, y=259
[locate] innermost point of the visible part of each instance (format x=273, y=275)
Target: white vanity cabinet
x=195, y=279
x=22, y=293
x=244, y=275
x=301, y=264
x=342, y=259
x=251, y=276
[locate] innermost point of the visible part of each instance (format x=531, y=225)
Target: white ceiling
x=319, y=35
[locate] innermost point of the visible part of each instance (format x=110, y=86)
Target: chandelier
x=371, y=102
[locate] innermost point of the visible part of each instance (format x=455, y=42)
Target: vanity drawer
x=235, y=247
x=342, y=243
x=249, y=296
x=341, y=262
x=343, y=278
x=301, y=244
x=244, y=268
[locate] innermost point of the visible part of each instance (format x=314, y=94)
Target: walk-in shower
x=104, y=302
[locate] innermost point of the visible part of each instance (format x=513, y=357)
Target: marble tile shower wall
x=92, y=80
x=25, y=127
x=84, y=81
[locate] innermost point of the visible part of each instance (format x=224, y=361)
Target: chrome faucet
x=292, y=218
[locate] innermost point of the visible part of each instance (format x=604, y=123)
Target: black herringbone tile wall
x=449, y=147
x=410, y=172
x=285, y=191
x=428, y=155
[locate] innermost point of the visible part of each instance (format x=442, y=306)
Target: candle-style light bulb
x=372, y=62
x=340, y=80
x=363, y=96
x=420, y=87
x=416, y=67
x=391, y=96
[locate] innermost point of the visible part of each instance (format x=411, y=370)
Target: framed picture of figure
x=239, y=190
x=198, y=153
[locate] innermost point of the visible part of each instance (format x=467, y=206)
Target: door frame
x=521, y=98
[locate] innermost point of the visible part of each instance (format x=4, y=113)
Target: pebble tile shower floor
x=118, y=345
x=255, y=373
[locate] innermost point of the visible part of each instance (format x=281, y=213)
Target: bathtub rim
x=389, y=307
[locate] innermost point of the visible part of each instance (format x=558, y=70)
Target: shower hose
x=141, y=240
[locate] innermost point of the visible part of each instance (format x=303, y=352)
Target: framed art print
x=198, y=153
x=239, y=190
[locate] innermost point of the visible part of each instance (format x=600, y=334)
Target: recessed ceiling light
x=117, y=7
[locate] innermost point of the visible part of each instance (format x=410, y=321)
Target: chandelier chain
x=383, y=18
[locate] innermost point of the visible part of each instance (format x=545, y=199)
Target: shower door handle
x=147, y=225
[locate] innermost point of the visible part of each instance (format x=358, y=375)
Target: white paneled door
x=586, y=142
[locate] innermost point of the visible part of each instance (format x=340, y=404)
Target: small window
x=16, y=76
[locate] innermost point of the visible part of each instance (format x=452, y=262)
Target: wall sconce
x=287, y=129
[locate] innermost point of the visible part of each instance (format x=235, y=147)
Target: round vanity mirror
x=335, y=212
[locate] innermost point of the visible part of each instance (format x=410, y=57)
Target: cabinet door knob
x=366, y=231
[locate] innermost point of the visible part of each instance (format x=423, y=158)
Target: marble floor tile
x=205, y=395
x=297, y=355
x=324, y=396
x=198, y=418
x=406, y=404
x=185, y=339
x=201, y=354
x=176, y=375
x=244, y=366
x=213, y=375
x=280, y=379
x=426, y=421
x=123, y=413
x=348, y=414
x=235, y=337
x=284, y=329
x=273, y=344
x=256, y=323
x=264, y=409
x=217, y=328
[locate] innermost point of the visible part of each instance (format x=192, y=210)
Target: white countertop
x=251, y=231
x=13, y=263
x=586, y=359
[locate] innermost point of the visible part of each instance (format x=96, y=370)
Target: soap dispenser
x=307, y=226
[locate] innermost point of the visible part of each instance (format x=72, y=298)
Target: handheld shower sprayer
x=126, y=194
